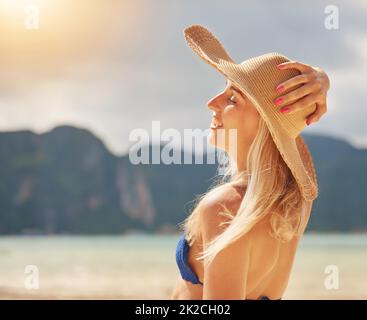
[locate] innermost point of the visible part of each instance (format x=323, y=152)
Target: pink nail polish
x=285, y=110
x=279, y=88
x=278, y=101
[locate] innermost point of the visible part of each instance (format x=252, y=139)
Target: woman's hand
x=315, y=86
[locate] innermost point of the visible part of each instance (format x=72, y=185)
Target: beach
x=144, y=267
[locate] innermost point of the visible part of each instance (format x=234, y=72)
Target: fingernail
x=285, y=110
x=278, y=101
x=279, y=88
x=280, y=66
x=307, y=122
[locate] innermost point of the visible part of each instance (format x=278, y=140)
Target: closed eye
x=232, y=99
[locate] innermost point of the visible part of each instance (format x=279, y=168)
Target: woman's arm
x=226, y=277
x=315, y=86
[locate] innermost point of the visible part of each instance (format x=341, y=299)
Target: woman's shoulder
x=218, y=206
x=226, y=195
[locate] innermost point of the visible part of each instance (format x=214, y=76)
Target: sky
x=113, y=66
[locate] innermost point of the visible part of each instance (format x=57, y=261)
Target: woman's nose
x=214, y=104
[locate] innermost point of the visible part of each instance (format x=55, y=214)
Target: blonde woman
x=240, y=240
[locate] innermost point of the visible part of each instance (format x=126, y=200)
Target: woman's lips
x=216, y=124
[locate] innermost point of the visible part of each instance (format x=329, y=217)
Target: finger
x=302, y=67
x=299, y=104
x=292, y=82
x=296, y=94
x=317, y=114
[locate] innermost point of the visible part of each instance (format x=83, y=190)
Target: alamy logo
x=31, y=281
x=31, y=21
x=331, y=281
x=140, y=153
x=332, y=18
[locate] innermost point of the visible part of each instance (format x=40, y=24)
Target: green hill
x=66, y=181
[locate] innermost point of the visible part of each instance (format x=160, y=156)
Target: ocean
x=139, y=266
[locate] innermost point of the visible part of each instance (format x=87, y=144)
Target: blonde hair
x=270, y=189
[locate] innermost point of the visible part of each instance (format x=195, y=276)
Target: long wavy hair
x=270, y=189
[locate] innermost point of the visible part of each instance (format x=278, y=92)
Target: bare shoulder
x=213, y=207
x=226, y=276
x=225, y=197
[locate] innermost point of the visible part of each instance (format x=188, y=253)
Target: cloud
x=117, y=66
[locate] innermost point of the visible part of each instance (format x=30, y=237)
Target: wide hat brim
x=256, y=78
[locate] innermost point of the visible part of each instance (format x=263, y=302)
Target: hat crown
x=259, y=76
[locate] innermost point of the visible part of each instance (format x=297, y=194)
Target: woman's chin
x=213, y=139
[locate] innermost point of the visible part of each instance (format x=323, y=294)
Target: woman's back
x=270, y=260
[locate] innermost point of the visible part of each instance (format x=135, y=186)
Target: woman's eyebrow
x=235, y=89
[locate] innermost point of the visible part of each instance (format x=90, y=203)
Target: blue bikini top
x=182, y=250
x=186, y=272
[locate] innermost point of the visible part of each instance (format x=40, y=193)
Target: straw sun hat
x=257, y=78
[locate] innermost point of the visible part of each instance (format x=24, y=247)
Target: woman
x=241, y=239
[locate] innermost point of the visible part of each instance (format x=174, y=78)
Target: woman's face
x=232, y=110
